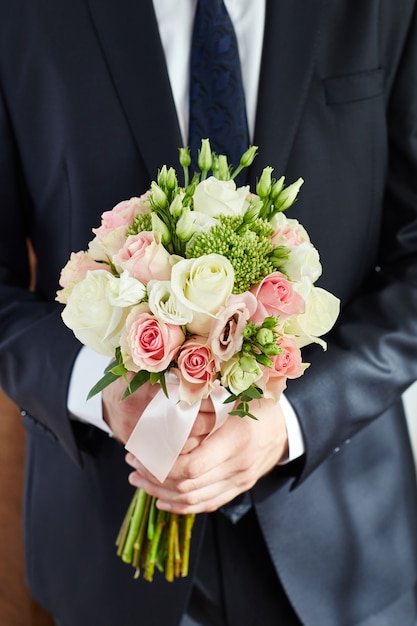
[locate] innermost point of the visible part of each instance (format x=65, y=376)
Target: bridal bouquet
x=205, y=289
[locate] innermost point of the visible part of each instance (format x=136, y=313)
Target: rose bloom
x=89, y=314
x=303, y=261
x=220, y=197
x=196, y=369
x=76, y=270
x=203, y=286
x=225, y=336
x=111, y=234
x=165, y=305
x=126, y=291
x=287, y=232
x=144, y=258
x=276, y=296
x=321, y=311
x=285, y=365
x=148, y=343
x=122, y=215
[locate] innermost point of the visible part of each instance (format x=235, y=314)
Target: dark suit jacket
x=86, y=119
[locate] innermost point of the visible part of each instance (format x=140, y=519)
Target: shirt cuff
x=88, y=369
x=296, y=447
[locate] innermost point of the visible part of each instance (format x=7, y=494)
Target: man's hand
x=212, y=471
x=122, y=415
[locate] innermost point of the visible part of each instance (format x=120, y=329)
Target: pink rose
x=196, y=368
x=288, y=232
x=111, y=235
x=225, y=336
x=121, y=215
x=276, y=297
x=144, y=258
x=77, y=267
x=75, y=271
x=147, y=343
x=285, y=365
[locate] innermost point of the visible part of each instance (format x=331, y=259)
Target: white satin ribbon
x=165, y=425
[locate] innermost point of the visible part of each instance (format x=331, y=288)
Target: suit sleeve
x=36, y=350
x=372, y=352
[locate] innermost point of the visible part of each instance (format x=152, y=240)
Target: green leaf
x=106, y=380
x=163, y=384
x=252, y=393
x=118, y=370
x=230, y=399
x=137, y=381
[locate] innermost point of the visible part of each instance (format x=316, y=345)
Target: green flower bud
x=277, y=187
x=263, y=187
x=171, y=179
x=185, y=158
x=248, y=157
x=264, y=336
x=288, y=195
x=162, y=176
x=158, y=196
x=272, y=349
x=252, y=212
x=223, y=167
x=270, y=322
x=176, y=207
x=161, y=229
x=264, y=360
x=205, y=158
x=249, y=330
x=185, y=226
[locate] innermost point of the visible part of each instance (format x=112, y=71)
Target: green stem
x=188, y=526
x=172, y=542
x=137, y=546
x=134, y=525
x=153, y=553
x=121, y=537
x=151, y=520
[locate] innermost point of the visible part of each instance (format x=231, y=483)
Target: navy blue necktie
x=217, y=99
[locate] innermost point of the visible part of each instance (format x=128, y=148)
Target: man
x=87, y=117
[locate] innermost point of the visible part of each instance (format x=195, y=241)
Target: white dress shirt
x=175, y=21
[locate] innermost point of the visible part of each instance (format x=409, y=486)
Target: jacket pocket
x=354, y=87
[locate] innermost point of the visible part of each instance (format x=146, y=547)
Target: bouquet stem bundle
x=150, y=538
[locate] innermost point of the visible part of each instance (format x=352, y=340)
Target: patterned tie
x=217, y=99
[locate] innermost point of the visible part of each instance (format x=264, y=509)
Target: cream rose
x=89, y=314
x=303, y=261
x=220, y=197
x=165, y=305
x=321, y=312
x=203, y=285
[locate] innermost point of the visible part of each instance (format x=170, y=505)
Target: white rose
x=125, y=291
x=203, y=285
x=220, y=197
x=321, y=312
x=89, y=314
x=303, y=261
x=165, y=305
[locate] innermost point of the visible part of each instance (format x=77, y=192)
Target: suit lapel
x=129, y=37
x=287, y=64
